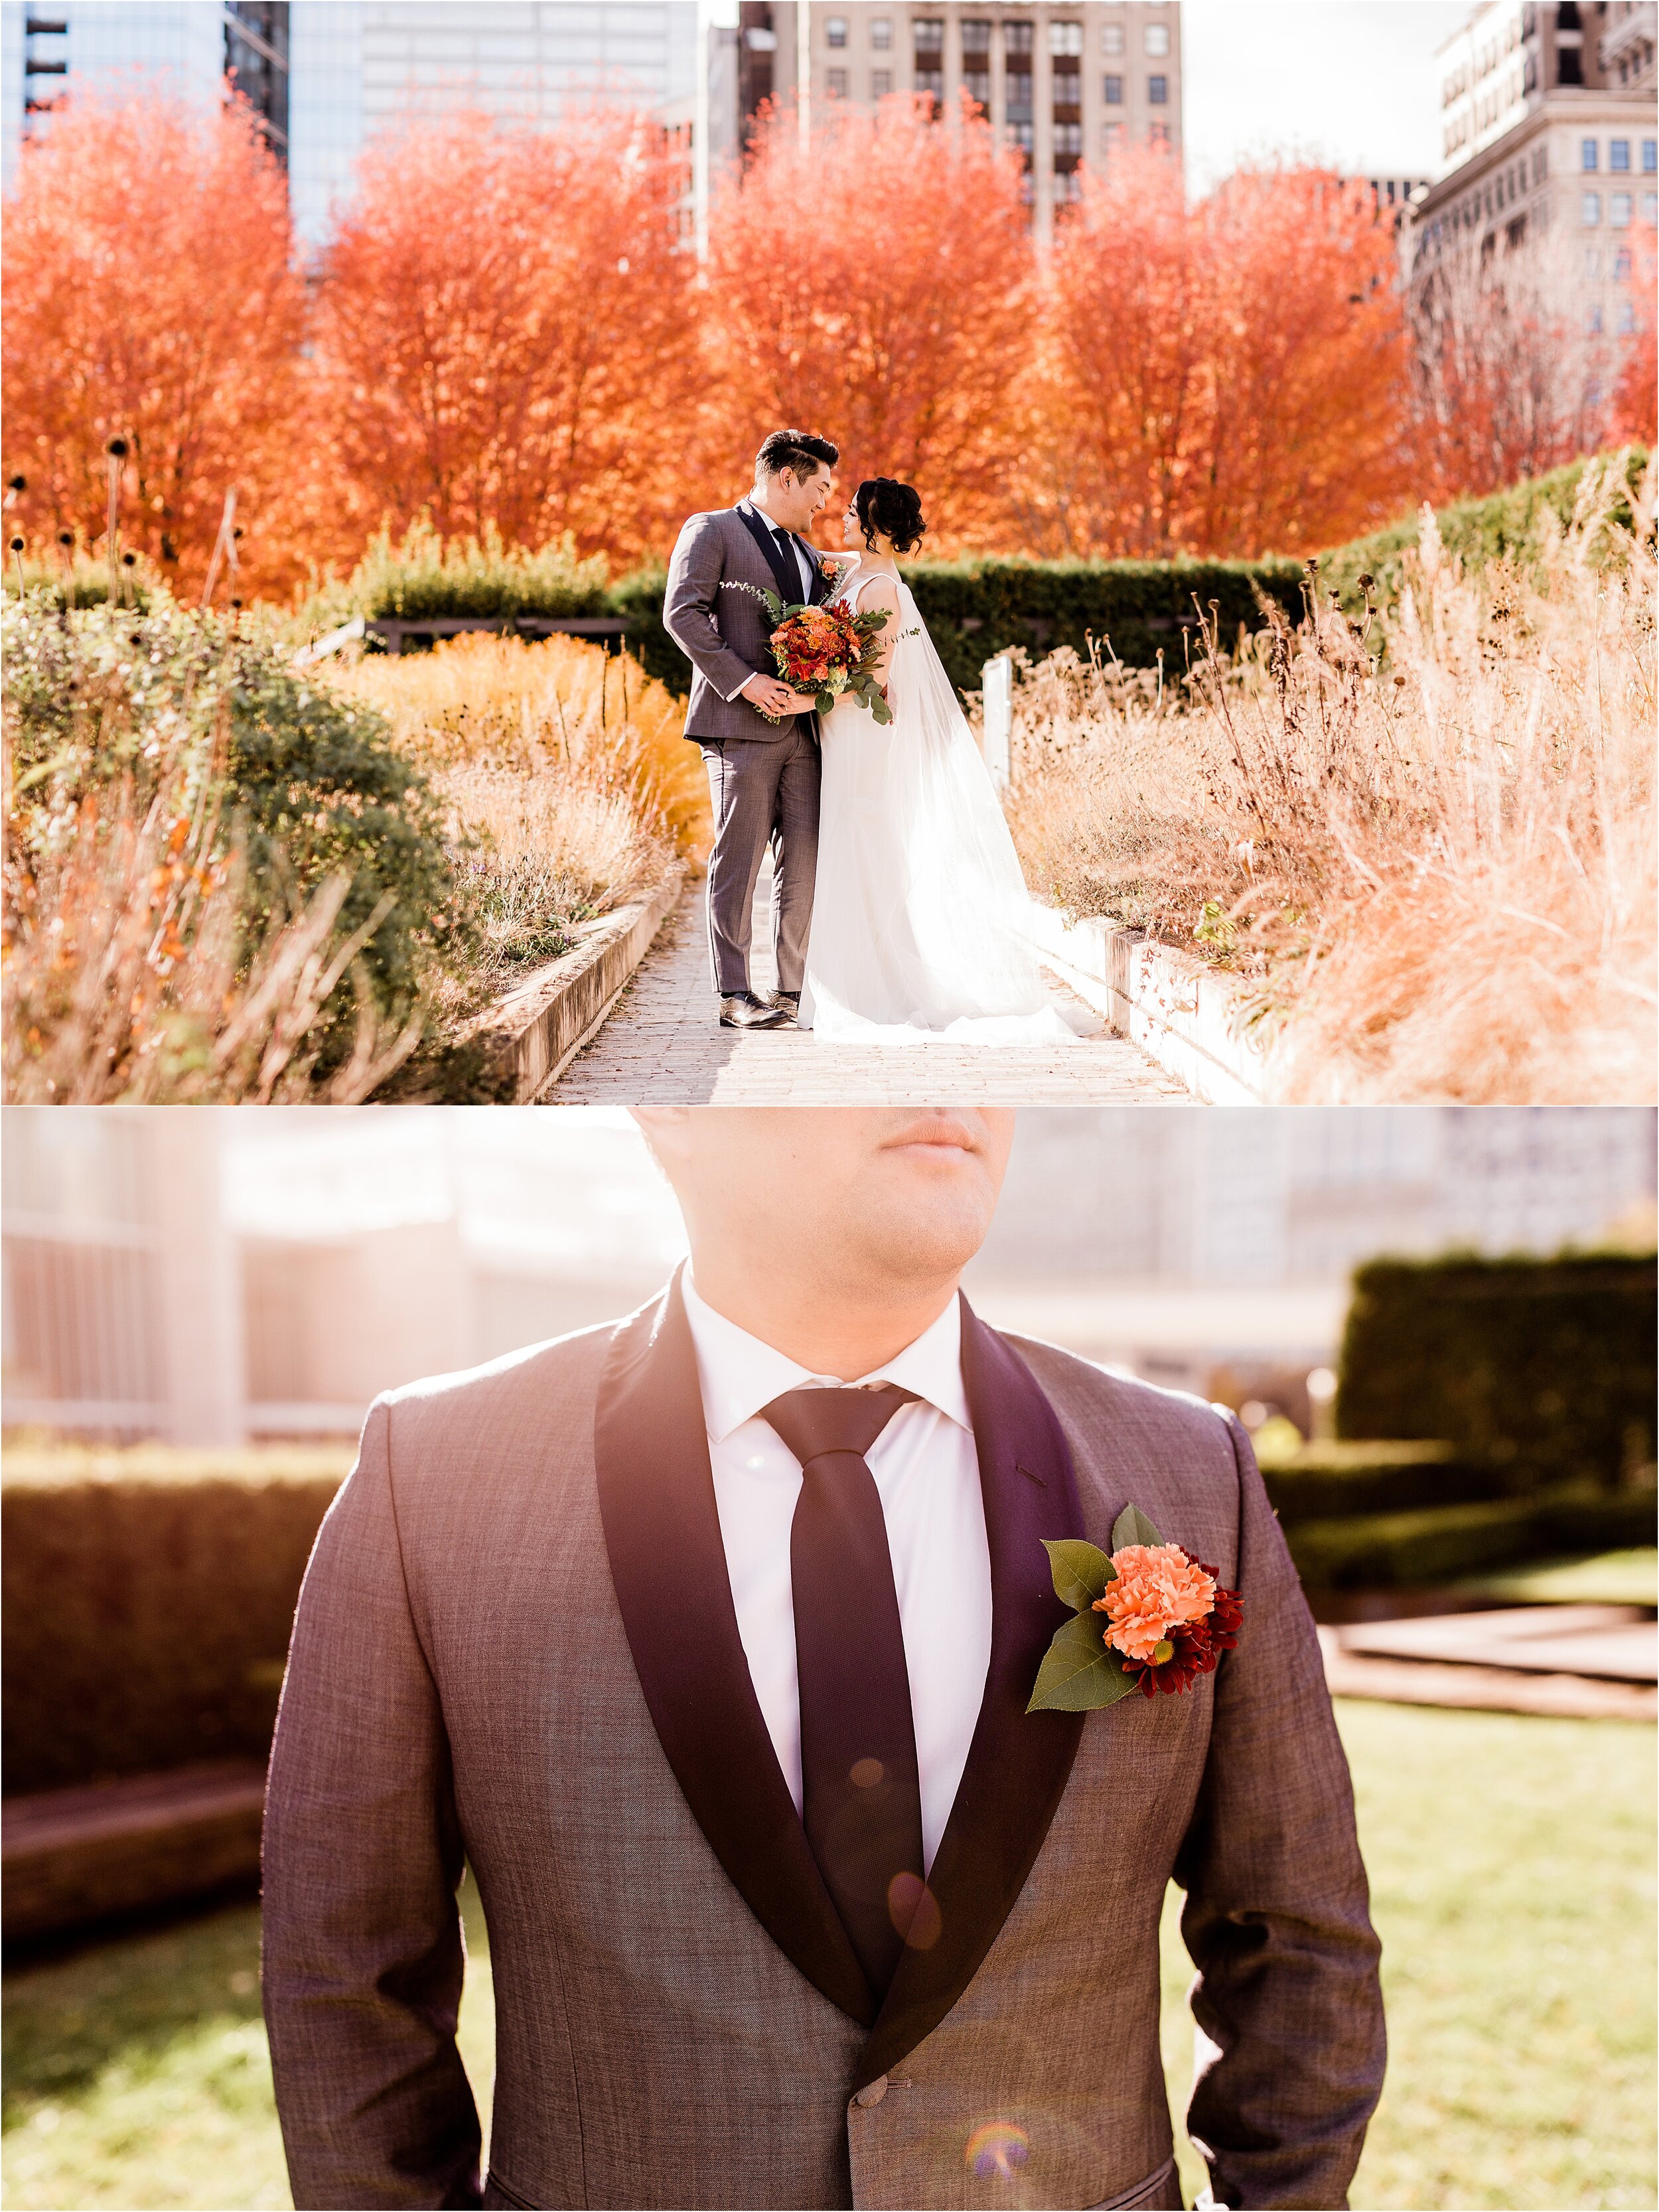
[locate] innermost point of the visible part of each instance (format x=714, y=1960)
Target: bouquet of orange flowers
x=828, y=651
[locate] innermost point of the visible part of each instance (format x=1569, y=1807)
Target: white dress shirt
x=926, y=1469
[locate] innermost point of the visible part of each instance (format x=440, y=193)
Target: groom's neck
x=827, y=1329
x=758, y=499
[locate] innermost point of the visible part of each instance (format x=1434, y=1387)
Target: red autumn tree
x=875, y=285
x=149, y=297
x=1223, y=377
x=1635, y=410
x=504, y=336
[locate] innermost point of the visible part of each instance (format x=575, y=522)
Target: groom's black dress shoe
x=744, y=1011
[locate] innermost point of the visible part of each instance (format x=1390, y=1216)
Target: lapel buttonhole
x=1020, y=1468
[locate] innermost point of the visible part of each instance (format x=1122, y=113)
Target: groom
x=763, y=774
x=684, y=1633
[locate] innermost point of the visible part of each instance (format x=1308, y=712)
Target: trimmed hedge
x=1336, y=1481
x=1440, y=1543
x=147, y=1601
x=1478, y=530
x=977, y=609
x=1544, y=1369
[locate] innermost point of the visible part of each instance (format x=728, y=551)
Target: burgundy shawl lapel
x=668, y=1563
x=1018, y=1763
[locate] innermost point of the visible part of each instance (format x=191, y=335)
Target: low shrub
x=198, y=729
x=1506, y=525
x=426, y=575
x=977, y=609
x=1335, y=1481
x=1438, y=1543
x=1541, y=1368
x=148, y=1598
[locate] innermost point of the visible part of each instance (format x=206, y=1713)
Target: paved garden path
x=662, y=1046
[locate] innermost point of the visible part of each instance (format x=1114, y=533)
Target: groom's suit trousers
x=494, y=1661
x=762, y=794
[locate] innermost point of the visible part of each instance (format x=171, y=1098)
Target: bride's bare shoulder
x=876, y=589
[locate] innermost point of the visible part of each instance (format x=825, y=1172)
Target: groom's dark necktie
x=860, y=1795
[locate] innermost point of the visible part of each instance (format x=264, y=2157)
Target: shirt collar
x=761, y=516
x=740, y=1373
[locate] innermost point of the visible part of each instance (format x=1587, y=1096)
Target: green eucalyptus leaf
x=1131, y=1526
x=1078, y=1675
x=1081, y=1571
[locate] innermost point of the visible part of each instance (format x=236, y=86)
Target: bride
x=920, y=912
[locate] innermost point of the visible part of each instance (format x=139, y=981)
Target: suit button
x=872, y=2093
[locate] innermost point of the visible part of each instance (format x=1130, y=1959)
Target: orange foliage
x=878, y=288
x=505, y=335
x=148, y=296
x=1636, y=396
x=1225, y=378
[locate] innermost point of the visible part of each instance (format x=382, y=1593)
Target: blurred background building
x=1064, y=81
x=1551, y=155
x=211, y=1277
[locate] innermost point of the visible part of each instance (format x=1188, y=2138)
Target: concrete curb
x=539, y=1027
x=1186, y=1016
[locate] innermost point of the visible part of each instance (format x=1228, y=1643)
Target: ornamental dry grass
x=1425, y=839
x=571, y=787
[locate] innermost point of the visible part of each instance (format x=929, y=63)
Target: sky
x=1352, y=80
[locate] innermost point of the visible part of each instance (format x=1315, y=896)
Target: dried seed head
x=129, y=560
x=1366, y=582
x=66, y=538
x=116, y=449
x=16, y=544
x=18, y=483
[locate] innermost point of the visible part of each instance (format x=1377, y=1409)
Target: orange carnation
x=1158, y=1587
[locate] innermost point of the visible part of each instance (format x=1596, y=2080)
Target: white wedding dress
x=920, y=916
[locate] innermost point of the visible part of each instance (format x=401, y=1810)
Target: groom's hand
x=773, y=697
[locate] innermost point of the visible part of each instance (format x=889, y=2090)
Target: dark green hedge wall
x=1478, y=530
x=146, y=1620
x=1440, y=1543
x=979, y=608
x=1543, y=1367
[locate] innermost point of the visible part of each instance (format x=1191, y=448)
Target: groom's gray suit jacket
x=721, y=628
x=516, y=1646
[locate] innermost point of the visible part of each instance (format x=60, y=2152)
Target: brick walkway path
x=662, y=1046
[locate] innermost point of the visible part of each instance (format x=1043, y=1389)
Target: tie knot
x=812, y=1422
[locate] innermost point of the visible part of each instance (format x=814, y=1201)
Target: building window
x=1112, y=139
x=1113, y=92
x=1626, y=321
x=1111, y=38
x=930, y=83
x=1618, y=207
x=1019, y=134
x=1068, y=138
x=1619, y=153
x=1621, y=265
x=1017, y=40
x=1158, y=136
x=1590, y=207
x=1069, y=188
x=1065, y=38
x=930, y=34
x=1158, y=39
x=976, y=39
x=1540, y=164
x=881, y=34
x=1592, y=261
x=1157, y=91
x=1589, y=155
x=976, y=83
x=1650, y=157
x=881, y=83
x=1592, y=320
x=835, y=30
x=836, y=80
x=1650, y=208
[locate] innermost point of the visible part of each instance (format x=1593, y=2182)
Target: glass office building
x=326, y=73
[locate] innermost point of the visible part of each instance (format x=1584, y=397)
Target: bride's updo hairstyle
x=894, y=509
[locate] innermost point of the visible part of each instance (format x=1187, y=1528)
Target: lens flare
x=996, y=2149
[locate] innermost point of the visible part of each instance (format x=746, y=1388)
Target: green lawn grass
x=1512, y=1861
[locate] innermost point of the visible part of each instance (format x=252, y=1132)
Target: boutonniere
x=1148, y=1617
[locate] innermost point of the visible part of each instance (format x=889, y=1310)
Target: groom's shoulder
x=1101, y=1406
x=542, y=1393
